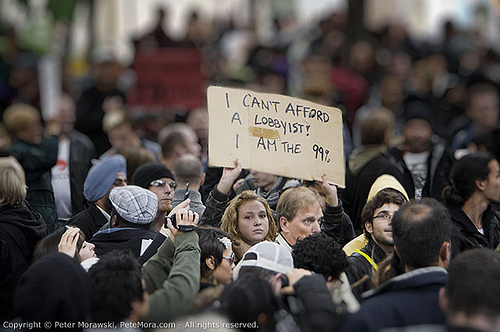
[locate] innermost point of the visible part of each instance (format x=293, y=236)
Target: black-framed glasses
x=162, y=183
x=383, y=216
x=230, y=258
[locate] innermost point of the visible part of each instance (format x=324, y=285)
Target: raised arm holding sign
x=275, y=134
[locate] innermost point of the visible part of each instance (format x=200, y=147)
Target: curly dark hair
x=116, y=281
x=320, y=253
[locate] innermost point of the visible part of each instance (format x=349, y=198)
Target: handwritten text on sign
x=275, y=134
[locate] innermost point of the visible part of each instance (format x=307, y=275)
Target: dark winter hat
x=418, y=109
x=148, y=172
x=54, y=288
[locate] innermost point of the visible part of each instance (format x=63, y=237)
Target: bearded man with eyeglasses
x=377, y=216
x=157, y=178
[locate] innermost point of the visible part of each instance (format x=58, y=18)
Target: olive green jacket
x=172, y=277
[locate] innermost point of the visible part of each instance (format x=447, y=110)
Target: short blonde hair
x=294, y=199
x=115, y=119
x=12, y=182
x=230, y=217
x=17, y=116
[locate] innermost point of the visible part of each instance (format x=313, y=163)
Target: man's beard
x=165, y=207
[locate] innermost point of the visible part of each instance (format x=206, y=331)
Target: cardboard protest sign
x=275, y=134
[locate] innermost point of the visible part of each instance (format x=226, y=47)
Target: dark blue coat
x=406, y=300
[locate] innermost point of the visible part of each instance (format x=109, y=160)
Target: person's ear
x=140, y=308
x=276, y=283
x=179, y=149
x=262, y=319
x=284, y=224
x=480, y=184
x=388, y=136
x=445, y=254
x=210, y=262
x=369, y=227
x=443, y=300
x=396, y=251
x=202, y=180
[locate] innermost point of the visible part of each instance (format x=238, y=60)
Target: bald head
x=188, y=168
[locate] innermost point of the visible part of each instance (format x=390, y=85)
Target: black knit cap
x=148, y=172
x=54, y=288
x=418, y=109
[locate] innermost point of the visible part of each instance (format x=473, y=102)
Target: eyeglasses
x=161, y=184
x=230, y=258
x=384, y=216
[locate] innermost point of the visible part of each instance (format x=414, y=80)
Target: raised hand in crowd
x=329, y=190
x=294, y=276
x=183, y=217
x=69, y=241
x=229, y=175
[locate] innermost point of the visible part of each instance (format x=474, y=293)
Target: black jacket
x=337, y=224
x=360, y=269
x=316, y=311
x=80, y=156
x=37, y=162
x=406, y=300
x=465, y=236
x=438, y=169
x=20, y=230
x=89, y=115
x=135, y=239
x=89, y=221
x=365, y=166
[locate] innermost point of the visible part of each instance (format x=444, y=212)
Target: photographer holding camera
x=164, y=290
x=172, y=275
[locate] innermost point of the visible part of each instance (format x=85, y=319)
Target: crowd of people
x=106, y=222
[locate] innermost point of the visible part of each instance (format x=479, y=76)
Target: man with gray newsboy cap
x=134, y=208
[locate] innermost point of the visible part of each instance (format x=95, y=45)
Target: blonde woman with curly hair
x=249, y=220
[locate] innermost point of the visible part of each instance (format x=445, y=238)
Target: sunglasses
x=230, y=258
x=161, y=184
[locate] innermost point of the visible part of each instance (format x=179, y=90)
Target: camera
x=182, y=228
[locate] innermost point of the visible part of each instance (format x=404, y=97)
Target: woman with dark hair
x=217, y=257
x=68, y=240
x=475, y=187
x=216, y=265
